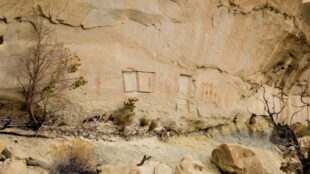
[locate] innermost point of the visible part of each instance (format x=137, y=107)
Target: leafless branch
x=271, y=110
x=289, y=135
x=145, y=158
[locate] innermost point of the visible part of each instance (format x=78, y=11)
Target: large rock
x=118, y=169
x=189, y=166
x=238, y=159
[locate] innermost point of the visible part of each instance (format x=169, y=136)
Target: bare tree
x=304, y=105
x=44, y=71
x=285, y=133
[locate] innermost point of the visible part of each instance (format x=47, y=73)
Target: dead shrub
x=74, y=157
x=144, y=121
x=153, y=125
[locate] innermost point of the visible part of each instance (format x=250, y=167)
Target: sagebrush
x=74, y=157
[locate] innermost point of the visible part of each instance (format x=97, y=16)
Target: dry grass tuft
x=74, y=157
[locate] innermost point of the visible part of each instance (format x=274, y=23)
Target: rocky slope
x=180, y=153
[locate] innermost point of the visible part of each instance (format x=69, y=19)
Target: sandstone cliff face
x=197, y=58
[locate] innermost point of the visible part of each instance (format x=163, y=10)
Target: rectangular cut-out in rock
x=145, y=82
x=184, y=92
x=184, y=87
x=130, y=81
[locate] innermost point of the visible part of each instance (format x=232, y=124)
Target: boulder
x=117, y=169
x=188, y=166
x=155, y=167
x=162, y=169
x=238, y=159
x=14, y=166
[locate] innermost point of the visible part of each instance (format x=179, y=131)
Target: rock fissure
x=237, y=9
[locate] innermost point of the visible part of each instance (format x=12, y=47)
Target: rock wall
x=204, y=59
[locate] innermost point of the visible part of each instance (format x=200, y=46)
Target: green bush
x=123, y=116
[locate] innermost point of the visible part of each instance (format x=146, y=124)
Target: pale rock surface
x=162, y=169
x=148, y=167
x=117, y=169
x=301, y=130
x=2, y=146
x=189, y=166
x=36, y=170
x=155, y=167
x=14, y=167
x=233, y=158
x=201, y=59
x=194, y=59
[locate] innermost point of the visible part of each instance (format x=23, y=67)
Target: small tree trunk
x=44, y=110
x=33, y=118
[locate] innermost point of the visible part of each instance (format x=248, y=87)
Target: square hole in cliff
x=146, y=82
x=184, y=87
x=184, y=92
x=1, y=39
x=130, y=81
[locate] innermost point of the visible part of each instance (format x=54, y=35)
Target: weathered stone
x=155, y=167
x=218, y=75
x=301, y=130
x=36, y=170
x=148, y=167
x=117, y=169
x=162, y=169
x=2, y=146
x=15, y=167
x=188, y=166
x=232, y=158
x=60, y=11
x=259, y=123
x=11, y=9
x=7, y=153
x=305, y=142
x=247, y=5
